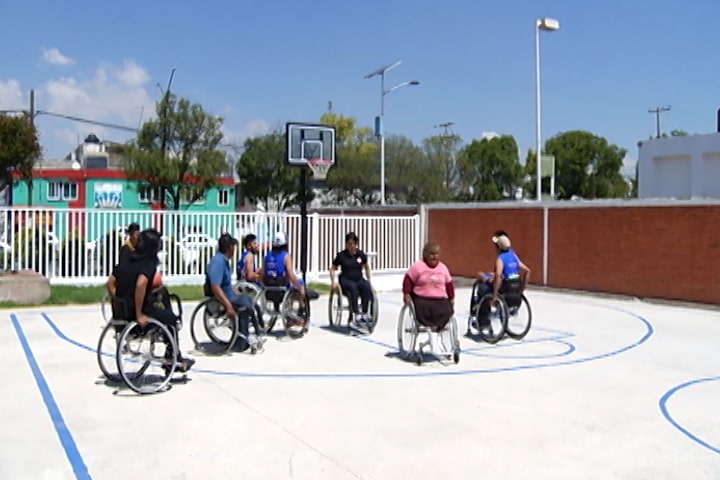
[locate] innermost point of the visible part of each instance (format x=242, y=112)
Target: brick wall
x=670, y=252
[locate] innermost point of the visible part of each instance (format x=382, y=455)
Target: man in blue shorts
x=218, y=284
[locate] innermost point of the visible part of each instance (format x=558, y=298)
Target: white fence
x=77, y=246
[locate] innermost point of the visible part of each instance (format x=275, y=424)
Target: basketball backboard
x=308, y=141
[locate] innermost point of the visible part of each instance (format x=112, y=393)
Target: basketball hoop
x=319, y=167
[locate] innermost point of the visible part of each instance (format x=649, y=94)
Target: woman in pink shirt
x=428, y=285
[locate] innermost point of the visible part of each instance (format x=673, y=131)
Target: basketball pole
x=303, y=224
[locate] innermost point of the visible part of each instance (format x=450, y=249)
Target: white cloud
x=54, y=57
x=252, y=128
x=489, y=135
x=628, y=168
x=11, y=96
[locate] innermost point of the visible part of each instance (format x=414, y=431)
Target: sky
x=262, y=63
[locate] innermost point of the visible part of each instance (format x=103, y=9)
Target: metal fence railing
x=80, y=246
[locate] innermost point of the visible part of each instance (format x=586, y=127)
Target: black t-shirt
x=350, y=265
x=127, y=274
x=125, y=253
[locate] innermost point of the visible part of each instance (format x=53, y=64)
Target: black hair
x=225, y=242
x=351, y=237
x=132, y=228
x=148, y=244
x=500, y=233
x=249, y=238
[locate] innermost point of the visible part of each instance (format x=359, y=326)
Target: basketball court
x=599, y=389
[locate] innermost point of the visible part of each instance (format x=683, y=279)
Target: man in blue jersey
x=278, y=268
x=508, y=267
x=247, y=265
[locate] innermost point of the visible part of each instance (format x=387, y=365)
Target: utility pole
x=330, y=105
x=658, y=111
x=163, y=140
x=32, y=124
x=446, y=128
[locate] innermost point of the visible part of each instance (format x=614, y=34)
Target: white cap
x=279, y=239
x=502, y=241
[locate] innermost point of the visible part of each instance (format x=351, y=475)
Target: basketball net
x=319, y=167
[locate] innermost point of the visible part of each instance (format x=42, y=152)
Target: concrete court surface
x=599, y=389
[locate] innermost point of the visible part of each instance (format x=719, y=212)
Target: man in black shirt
x=352, y=261
x=131, y=282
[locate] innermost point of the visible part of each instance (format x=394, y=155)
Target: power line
x=85, y=120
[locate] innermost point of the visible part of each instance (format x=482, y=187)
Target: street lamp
x=379, y=120
x=548, y=25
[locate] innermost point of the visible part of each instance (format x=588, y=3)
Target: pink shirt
x=429, y=282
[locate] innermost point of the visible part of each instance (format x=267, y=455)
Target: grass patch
x=74, y=295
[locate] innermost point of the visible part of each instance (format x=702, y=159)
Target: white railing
x=80, y=246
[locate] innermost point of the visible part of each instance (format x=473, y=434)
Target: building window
x=149, y=194
x=187, y=195
x=62, y=191
x=223, y=197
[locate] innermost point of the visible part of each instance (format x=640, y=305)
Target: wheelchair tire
x=107, y=353
x=517, y=331
x=374, y=312
x=335, y=308
x=407, y=331
x=138, y=379
x=291, y=319
x=201, y=314
x=494, y=333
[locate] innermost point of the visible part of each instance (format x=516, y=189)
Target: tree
x=441, y=153
x=408, y=177
x=489, y=169
x=265, y=178
x=19, y=148
x=530, y=175
x=587, y=165
x=177, y=153
x=355, y=179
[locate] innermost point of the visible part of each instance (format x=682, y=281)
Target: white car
x=191, y=246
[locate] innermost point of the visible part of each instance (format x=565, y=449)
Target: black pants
x=245, y=310
x=168, y=318
x=352, y=288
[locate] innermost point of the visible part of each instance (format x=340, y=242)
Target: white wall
x=680, y=167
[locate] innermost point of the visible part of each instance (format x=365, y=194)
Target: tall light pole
x=549, y=25
x=379, y=120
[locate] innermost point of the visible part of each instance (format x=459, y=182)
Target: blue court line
x=479, y=352
x=66, y=439
x=663, y=408
x=649, y=331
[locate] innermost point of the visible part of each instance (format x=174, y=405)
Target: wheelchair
x=340, y=302
x=222, y=330
x=287, y=304
x=512, y=316
x=144, y=359
x=409, y=329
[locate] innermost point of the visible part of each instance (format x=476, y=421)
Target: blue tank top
x=239, y=269
x=511, y=267
x=274, y=265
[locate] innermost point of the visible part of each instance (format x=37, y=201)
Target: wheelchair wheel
x=519, y=319
x=451, y=342
x=217, y=328
x=374, y=312
x=494, y=329
x=147, y=357
x=407, y=331
x=107, y=349
x=335, y=307
x=105, y=307
x=295, y=312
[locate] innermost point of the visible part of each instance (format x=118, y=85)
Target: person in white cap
x=507, y=267
x=278, y=267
